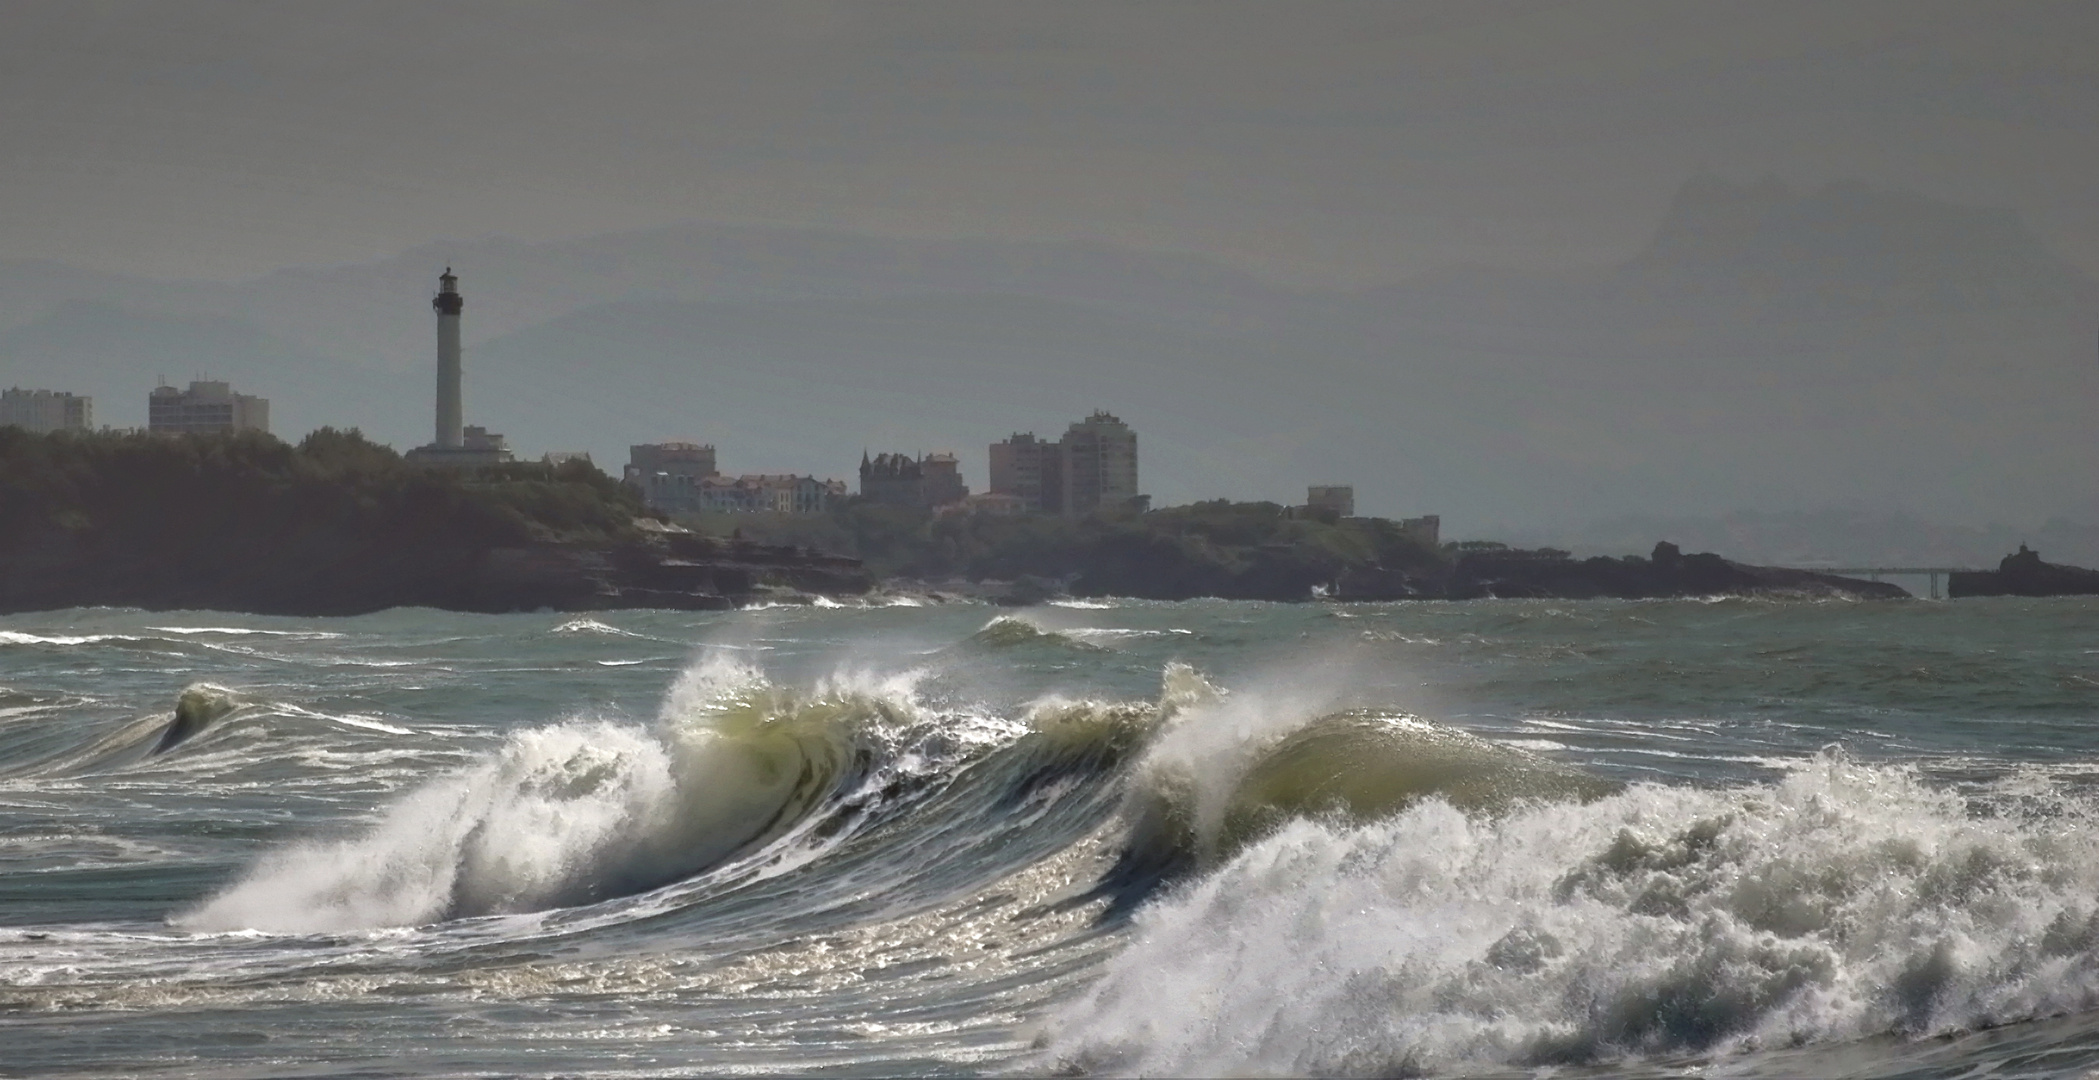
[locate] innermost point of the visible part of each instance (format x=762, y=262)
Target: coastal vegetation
x=1234, y=550
x=1243, y=551
x=245, y=521
x=337, y=524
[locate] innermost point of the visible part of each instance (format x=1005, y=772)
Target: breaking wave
x=18, y=637
x=1300, y=885
x=198, y=707
x=1844, y=902
x=592, y=626
x=1009, y=631
x=1231, y=768
x=579, y=812
x=734, y=770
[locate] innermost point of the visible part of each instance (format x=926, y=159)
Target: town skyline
x=806, y=346
x=1536, y=265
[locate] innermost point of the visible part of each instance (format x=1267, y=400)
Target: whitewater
x=1756, y=838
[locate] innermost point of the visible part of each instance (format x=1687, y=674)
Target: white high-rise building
x=206, y=407
x=1099, y=464
x=45, y=410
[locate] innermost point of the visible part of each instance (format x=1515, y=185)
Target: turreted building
x=901, y=480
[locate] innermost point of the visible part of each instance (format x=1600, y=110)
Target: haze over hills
x=1768, y=348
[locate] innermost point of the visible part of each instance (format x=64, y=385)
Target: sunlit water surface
x=1738, y=838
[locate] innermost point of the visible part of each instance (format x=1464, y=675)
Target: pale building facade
x=989, y=504
x=1099, y=462
x=777, y=493
x=204, y=408
x=942, y=479
x=1027, y=468
x=44, y=411
x=1340, y=498
x=1093, y=466
x=682, y=477
x=1426, y=530
x=670, y=474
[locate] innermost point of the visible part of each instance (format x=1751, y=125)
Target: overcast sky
x=1320, y=144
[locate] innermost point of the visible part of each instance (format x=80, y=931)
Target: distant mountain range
x=1768, y=347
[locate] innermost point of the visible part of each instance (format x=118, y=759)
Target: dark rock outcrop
x=2022, y=573
x=1667, y=572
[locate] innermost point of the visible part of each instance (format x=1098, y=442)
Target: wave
x=592, y=626
x=1844, y=902
x=1009, y=631
x=1233, y=768
x=582, y=811
x=238, y=631
x=196, y=708
x=738, y=781
x=61, y=750
x=17, y=637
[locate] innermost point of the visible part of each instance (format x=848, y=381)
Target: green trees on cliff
x=1218, y=548
x=248, y=520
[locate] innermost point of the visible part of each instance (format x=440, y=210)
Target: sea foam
x=577, y=812
x=1845, y=901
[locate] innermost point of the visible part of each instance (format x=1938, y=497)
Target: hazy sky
x=1314, y=143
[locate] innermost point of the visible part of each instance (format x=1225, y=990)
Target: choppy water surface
x=1736, y=838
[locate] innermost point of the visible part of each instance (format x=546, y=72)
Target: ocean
x=1756, y=838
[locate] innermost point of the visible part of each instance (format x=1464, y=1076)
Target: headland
x=337, y=525
x=2022, y=573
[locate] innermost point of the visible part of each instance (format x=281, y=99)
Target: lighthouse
x=447, y=303
x=457, y=444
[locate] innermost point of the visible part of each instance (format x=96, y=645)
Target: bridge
x=1935, y=574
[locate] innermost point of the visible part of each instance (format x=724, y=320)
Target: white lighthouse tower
x=457, y=444
x=447, y=303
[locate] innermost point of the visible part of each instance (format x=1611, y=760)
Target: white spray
x=1843, y=902
x=572, y=813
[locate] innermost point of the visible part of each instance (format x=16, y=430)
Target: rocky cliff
x=2022, y=573
x=1667, y=572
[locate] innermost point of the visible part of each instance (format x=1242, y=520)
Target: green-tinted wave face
x=199, y=705
x=1009, y=631
x=1363, y=765
x=1356, y=765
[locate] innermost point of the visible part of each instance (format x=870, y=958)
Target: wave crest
x=579, y=812
x=1846, y=901
x=1009, y=631
x=1233, y=767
